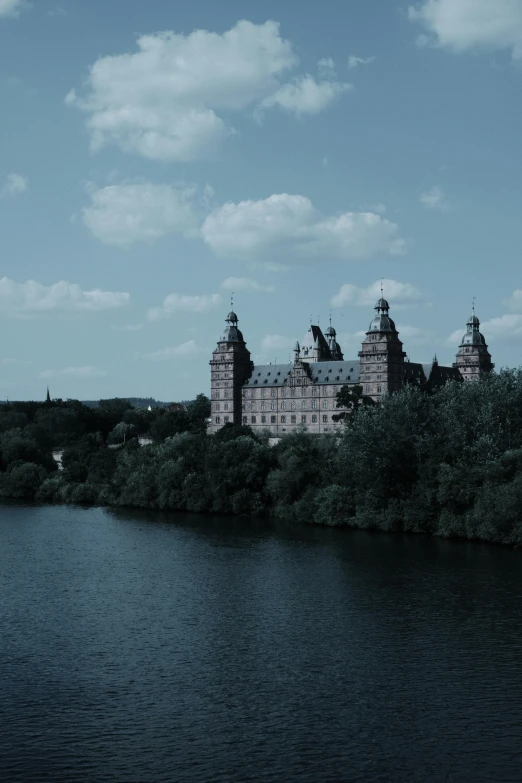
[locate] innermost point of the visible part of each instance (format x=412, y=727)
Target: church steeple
x=48, y=398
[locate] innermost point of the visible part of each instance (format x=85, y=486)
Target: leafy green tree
x=351, y=399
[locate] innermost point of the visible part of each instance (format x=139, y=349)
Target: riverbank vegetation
x=447, y=463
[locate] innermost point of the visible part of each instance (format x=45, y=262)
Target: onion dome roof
x=231, y=334
x=382, y=304
x=232, y=317
x=382, y=323
x=330, y=332
x=473, y=336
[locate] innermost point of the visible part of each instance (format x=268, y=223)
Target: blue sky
x=154, y=156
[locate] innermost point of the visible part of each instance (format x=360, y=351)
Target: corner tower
x=473, y=359
x=381, y=356
x=230, y=366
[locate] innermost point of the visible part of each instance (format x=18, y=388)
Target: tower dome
x=231, y=334
x=473, y=359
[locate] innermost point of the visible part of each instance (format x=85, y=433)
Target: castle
x=282, y=397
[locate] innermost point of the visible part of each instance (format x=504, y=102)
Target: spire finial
x=330, y=316
x=473, y=306
x=381, y=286
x=231, y=300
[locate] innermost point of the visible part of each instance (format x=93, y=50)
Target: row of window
x=314, y=404
x=273, y=419
x=251, y=393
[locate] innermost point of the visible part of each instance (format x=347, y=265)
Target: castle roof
x=321, y=372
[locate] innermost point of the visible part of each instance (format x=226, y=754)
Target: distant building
x=283, y=397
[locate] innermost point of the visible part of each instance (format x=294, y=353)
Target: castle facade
x=302, y=394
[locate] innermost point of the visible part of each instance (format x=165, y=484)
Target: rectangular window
x=303, y=419
x=378, y=389
x=263, y=419
x=218, y=420
x=263, y=406
x=292, y=405
x=314, y=419
x=292, y=392
x=216, y=406
x=303, y=405
x=283, y=392
x=253, y=419
x=283, y=419
x=325, y=403
x=303, y=391
x=325, y=419
x=272, y=406
x=245, y=419
x=225, y=406
x=314, y=403
x=225, y=419
x=292, y=419
x=273, y=393
x=315, y=391
x=283, y=405
x=272, y=419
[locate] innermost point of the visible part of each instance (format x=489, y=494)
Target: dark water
x=142, y=648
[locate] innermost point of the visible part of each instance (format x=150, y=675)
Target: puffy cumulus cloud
x=184, y=349
x=13, y=185
x=303, y=96
x=398, y=294
x=461, y=25
x=435, y=199
x=290, y=225
x=141, y=212
x=355, y=62
x=75, y=372
x=515, y=301
x=277, y=342
x=175, y=303
x=508, y=326
x=504, y=327
x=32, y=297
x=172, y=99
x=245, y=284
x=416, y=336
x=13, y=7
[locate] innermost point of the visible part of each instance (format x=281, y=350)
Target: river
x=154, y=648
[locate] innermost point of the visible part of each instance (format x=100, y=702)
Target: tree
x=352, y=399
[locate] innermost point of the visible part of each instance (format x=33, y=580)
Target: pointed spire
x=48, y=398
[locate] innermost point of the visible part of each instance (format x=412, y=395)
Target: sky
x=156, y=156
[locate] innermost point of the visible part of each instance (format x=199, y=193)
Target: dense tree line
x=447, y=463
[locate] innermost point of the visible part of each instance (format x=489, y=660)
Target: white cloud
x=10, y=362
x=515, y=301
x=276, y=342
x=13, y=7
x=413, y=335
x=174, y=303
x=33, y=297
x=304, y=95
x=506, y=326
x=395, y=292
x=461, y=25
x=185, y=349
x=290, y=224
x=128, y=328
x=14, y=184
x=326, y=67
x=245, y=284
x=76, y=372
x=124, y=214
x=354, y=62
x=435, y=199
x=173, y=98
